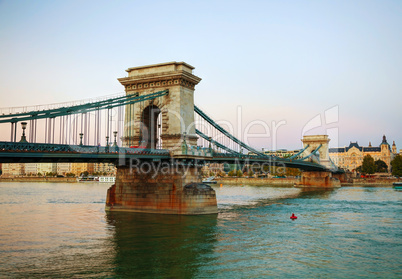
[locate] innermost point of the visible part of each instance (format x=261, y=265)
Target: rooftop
x=162, y=67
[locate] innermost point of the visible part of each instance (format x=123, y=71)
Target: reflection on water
x=314, y=192
x=62, y=231
x=249, y=196
x=148, y=245
x=53, y=230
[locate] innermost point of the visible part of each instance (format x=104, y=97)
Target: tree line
x=370, y=166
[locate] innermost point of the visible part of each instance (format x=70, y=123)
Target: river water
x=60, y=230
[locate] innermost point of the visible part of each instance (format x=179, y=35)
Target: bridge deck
x=16, y=152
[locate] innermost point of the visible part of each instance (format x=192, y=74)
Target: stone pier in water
x=173, y=192
x=318, y=179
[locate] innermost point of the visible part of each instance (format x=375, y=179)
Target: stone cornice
x=163, y=83
x=164, y=79
x=162, y=75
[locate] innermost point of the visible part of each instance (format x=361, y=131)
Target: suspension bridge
x=155, y=124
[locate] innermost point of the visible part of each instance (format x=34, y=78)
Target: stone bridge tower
x=161, y=122
x=167, y=186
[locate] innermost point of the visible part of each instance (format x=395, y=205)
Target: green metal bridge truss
x=19, y=152
x=84, y=108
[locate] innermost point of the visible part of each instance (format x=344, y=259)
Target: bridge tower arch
x=150, y=127
x=177, y=107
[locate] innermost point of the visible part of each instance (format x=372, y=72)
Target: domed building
x=351, y=157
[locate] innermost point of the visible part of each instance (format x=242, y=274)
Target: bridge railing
x=64, y=148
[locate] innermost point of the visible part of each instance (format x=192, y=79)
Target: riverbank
x=38, y=179
x=286, y=182
x=373, y=181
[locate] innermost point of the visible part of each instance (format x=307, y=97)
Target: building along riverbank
x=287, y=181
x=38, y=179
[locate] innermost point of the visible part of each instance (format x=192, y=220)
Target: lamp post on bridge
x=107, y=143
x=81, y=135
x=115, y=139
x=24, y=126
x=116, y=147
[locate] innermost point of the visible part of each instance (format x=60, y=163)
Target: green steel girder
x=57, y=157
x=38, y=148
x=312, y=153
x=223, y=131
x=16, y=152
x=89, y=107
x=198, y=132
x=300, y=152
x=307, y=166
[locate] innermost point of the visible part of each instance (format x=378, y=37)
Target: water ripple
x=62, y=231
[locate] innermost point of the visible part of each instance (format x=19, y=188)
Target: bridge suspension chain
x=299, y=153
x=312, y=153
x=84, y=124
x=209, y=139
x=227, y=134
x=120, y=101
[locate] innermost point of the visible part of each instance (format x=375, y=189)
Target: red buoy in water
x=293, y=217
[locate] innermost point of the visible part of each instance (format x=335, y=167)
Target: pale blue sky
x=278, y=60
